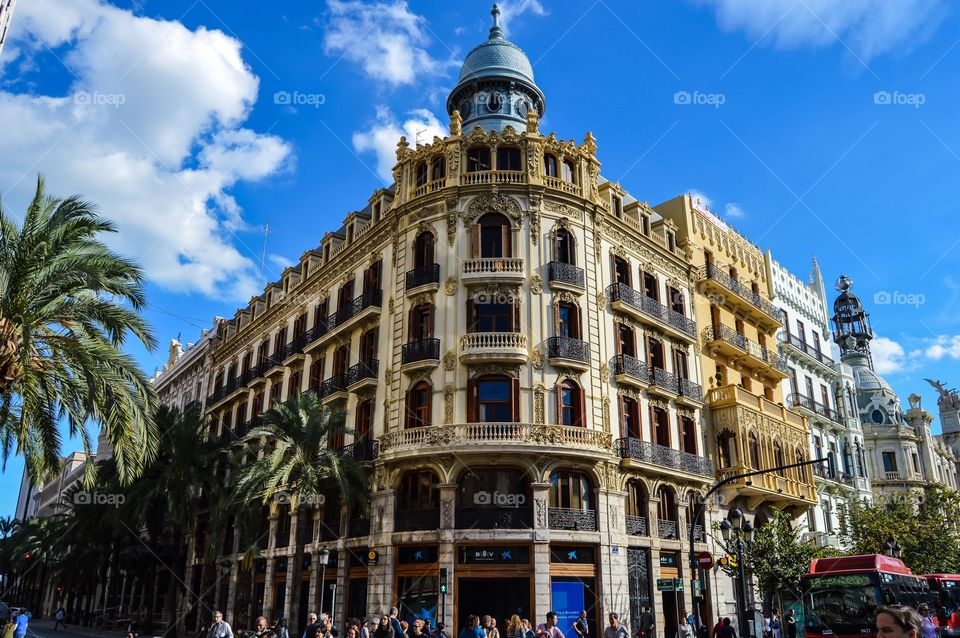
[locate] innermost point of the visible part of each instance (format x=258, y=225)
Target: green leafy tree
x=924, y=524
x=67, y=306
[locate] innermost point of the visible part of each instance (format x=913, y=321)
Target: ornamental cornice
x=495, y=203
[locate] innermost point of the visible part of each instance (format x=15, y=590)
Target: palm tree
x=299, y=462
x=67, y=304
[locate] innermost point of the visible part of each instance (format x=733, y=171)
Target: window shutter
x=515, y=399
x=507, y=241
x=472, y=401
x=558, y=400
x=581, y=417
x=412, y=324
x=471, y=316
x=516, y=316
x=428, y=420
x=408, y=409
x=621, y=406
x=575, y=320
x=475, y=240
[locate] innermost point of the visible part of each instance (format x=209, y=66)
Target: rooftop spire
x=496, y=31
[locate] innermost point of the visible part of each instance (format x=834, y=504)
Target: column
x=271, y=565
x=541, y=549
x=613, y=574
x=232, y=591
x=294, y=567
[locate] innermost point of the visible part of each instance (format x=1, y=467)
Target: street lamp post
x=323, y=557
x=737, y=537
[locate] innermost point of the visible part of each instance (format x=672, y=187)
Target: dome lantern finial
x=496, y=31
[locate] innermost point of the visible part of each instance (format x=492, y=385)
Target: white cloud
x=151, y=129
x=382, y=137
x=944, y=346
x=867, y=27
x=888, y=356
x=733, y=211
x=281, y=261
x=510, y=9
x=385, y=38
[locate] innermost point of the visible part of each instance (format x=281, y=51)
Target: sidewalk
x=44, y=629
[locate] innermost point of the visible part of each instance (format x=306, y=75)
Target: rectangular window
x=494, y=401
x=793, y=381
x=661, y=426
x=688, y=431
x=568, y=321
x=630, y=418
x=889, y=462
x=316, y=374
x=625, y=341
x=508, y=159
x=293, y=386
x=368, y=345
x=676, y=300
x=363, y=425
x=825, y=395
x=801, y=332
x=621, y=270
x=493, y=317
x=650, y=287
x=478, y=159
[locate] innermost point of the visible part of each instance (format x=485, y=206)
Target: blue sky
x=813, y=126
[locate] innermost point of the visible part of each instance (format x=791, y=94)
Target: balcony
x=565, y=276
x=743, y=353
x=333, y=388
x=636, y=525
x=419, y=355
x=572, y=519
x=667, y=529
x=493, y=177
x=628, y=370
x=813, y=409
x=293, y=351
x=559, y=184
x=892, y=476
x=488, y=270
x=428, y=275
x=494, y=518
x=493, y=347
x=481, y=438
x=274, y=363
x=738, y=412
x=697, y=532
x=315, y=334
x=414, y=520
x=429, y=187
x=367, y=304
x=690, y=392
x=714, y=283
x=568, y=353
x=662, y=456
x=362, y=375
x=642, y=308
x=663, y=382
x=792, y=344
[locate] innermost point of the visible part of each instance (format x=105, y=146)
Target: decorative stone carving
x=606, y=413
x=659, y=403
x=448, y=510
x=450, y=287
x=536, y=284
x=601, y=300
x=449, y=360
x=390, y=304
x=565, y=297
x=533, y=122
x=448, y=399
x=388, y=376
x=541, y=513
x=494, y=368
x=456, y=123
x=539, y=415
x=536, y=358
x=604, y=372
x=380, y=478
x=497, y=203
x=420, y=299
x=534, y=227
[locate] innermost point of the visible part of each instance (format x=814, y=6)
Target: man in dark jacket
x=648, y=624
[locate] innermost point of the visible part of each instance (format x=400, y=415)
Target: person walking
x=21, y=622
x=515, y=627
x=312, y=625
x=219, y=628
x=615, y=629
x=930, y=628
x=726, y=630
x=775, y=625
x=580, y=625
x=280, y=628
x=60, y=616
x=395, y=623
x=683, y=629
x=384, y=628
x=648, y=624
x=549, y=629
x=470, y=627
x=898, y=621
x=790, y=622
x=8, y=626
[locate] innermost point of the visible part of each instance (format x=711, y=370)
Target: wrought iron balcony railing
x=691, y=390
x=696, y=531
x=573, y=519
x=639, y=450
x=294, y=347
x=413, y=520
x=652, y=308
x=362, y=450
x=336, y=383
x=567, y=348
x=363, y=370
x=665, y=380
x=636, y=525
x=422, y=350
x=566, y=274
x=423, y=275
x=810, y=350
x=494, y=518
x=630, y=366
x=667, y=529
x=808, y=403
x=710, y=271
x=355, y=307
x=720, y=332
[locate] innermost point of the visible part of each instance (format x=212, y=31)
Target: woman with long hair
x=515, y=627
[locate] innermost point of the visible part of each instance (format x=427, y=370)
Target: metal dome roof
x=496, y=57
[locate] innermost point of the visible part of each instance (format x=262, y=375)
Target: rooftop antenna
x=417, y=136
x=263, y=255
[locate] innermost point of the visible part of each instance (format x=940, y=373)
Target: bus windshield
x=841, y=605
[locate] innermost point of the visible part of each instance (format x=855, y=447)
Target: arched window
x=568, y=172
x=550, y=165
x=667, y=514
x=492, y=236
x=423, y=250
x=421, y=173
x=438, y=169
x=493, y=399
x=508, y=159
x=695, y=522
x=418, y=405
x=565, y=248
x=800, y=457
x=754, y=447
x=478, y=159
x=571, y=490
x=570, y=403
x=418, y=490
x=637, y=499
x=778, y=458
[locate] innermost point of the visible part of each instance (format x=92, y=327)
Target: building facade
x=6, y=15
x=813, y=388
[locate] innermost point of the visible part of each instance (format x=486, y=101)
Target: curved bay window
x=565, y=247
x=638, y=500
x=571, y=501
x=493, y=399
x=550, y=168
x=418, y=502
x=478, y=159
x=419, y=398
x=567, y=171
x=494, y=498
x=508, y=159
x=754, y=449
x=421, y=173
x=570, y=404
x=667, y=514
x=492, y=237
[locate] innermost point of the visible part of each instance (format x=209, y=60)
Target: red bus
x=946, y=588
x=841, y=595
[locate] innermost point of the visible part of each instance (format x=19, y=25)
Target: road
x=44, y=629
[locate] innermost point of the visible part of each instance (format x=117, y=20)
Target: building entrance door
x=499, y=597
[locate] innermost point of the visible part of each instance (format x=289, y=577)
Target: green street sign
x=679, y=584
x=666, y=584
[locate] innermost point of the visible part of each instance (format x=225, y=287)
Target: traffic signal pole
x=694, y=566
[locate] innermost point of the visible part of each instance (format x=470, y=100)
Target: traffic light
x=443, y=580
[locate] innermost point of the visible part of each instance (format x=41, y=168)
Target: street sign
x=679, y=584
x=705, y=560
x=665, y=584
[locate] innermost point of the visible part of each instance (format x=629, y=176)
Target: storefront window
x=417, y=598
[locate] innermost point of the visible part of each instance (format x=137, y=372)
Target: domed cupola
x=496, y=85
